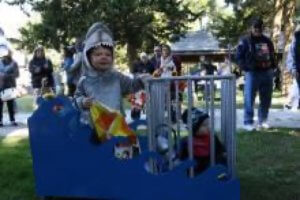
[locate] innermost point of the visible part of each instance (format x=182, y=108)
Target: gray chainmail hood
x=97, y=35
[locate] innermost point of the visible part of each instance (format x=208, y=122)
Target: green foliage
x=137, y=23
x=121, y=58
x=230, y=27
x=298, y=11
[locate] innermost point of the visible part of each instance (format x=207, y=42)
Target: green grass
x=278, y=100
x=16, y=178
x=268, y=166
x=24, y=104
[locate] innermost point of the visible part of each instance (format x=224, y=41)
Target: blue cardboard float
x=67, y=164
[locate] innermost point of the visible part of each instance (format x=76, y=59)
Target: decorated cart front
x=67, y=164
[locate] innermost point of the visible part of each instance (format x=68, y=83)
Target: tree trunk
x=131, y=54
x=289, y=11
x=283, y=26
x=277, y=23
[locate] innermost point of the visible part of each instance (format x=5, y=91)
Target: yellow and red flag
x=109, y=122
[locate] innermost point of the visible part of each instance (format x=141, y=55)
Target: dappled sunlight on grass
x=294, y=133
x=275, y=131
x=11, y=141
x=291, y=132
x=20, y=131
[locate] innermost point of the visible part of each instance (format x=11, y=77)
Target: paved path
x=277, y=118
x=20, y=130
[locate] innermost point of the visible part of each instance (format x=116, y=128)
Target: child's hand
x=174, y=73
x=87, y=102
x=157, y=73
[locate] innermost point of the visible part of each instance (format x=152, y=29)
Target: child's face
x=101, y=58
x=165, y=52
x=204, y=128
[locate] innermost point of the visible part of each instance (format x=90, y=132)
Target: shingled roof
x=196, y=42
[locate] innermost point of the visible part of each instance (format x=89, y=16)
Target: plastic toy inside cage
x=67, y=164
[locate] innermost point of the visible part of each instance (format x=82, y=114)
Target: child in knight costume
x=101, y=82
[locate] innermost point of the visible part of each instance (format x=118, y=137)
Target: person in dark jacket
x=208, y=67
x=8, y=73
x=156, y=57
x=40, y=68
x=255, y=56
x=143, y=65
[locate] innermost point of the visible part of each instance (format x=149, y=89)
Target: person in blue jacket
x=9, y=72
x=66, y=65
x=255, y=56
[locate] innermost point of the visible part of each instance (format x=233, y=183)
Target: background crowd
x=255, y=58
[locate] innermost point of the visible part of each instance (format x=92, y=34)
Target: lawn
x=268, y=166
x=278, y=100
x=16, y=179
x=24, y=104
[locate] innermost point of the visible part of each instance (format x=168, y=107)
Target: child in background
x=101, y=82
x=201, y=141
